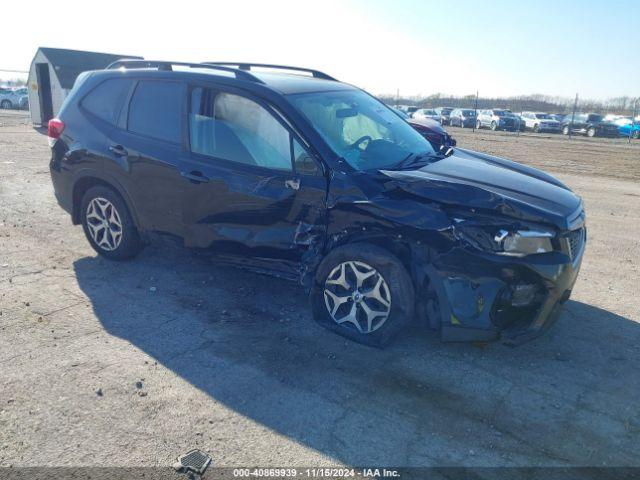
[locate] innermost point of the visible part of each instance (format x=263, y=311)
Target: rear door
x=252, y=189
x=147, y=149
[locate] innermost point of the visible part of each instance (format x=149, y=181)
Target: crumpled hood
x=475, y=180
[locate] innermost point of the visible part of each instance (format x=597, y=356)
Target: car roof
x=293, y=83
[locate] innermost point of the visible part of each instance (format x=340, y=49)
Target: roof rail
x=168, y=67
x=247, y=66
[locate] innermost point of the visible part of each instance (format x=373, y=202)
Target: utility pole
x=573, y=114
x=397, y=97
x=475, y=109
x=633, y=118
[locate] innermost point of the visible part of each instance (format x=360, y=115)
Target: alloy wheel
x=357, y=296
x=104, y=224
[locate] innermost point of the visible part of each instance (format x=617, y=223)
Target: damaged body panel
x=316, y=181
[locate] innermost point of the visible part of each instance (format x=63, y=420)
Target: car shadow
x=248, y=341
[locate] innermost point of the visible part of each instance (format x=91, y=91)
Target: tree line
x=624, y=105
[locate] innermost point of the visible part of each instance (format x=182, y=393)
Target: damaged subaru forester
x=288, y=171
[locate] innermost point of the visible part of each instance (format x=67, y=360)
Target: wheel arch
x=86, y=181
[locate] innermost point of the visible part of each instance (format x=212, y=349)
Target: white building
x=52, y=74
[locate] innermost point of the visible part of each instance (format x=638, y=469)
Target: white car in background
x=424, y=113
x=13, y=98
x=540, y=122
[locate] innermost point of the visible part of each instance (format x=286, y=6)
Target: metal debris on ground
x=194, y=462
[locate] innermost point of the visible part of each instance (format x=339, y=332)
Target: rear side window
x=155, y=110
x=105, y=101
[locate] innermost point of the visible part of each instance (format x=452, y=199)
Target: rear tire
x=364, y=293
x=494, y=126
x=6, y=104
x=565, y=130
x=478, y=125
x=536, y=128
x=108, y=225
x=636, y=134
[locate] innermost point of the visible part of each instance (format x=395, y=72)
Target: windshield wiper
x=415, y=159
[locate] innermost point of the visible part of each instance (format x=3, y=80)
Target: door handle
x=293, y=184
x=118, y=150
x=195, y=177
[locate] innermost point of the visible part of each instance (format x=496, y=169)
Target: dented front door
x=243, y=194
x=251, y=211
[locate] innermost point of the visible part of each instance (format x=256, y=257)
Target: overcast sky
x=420, y=47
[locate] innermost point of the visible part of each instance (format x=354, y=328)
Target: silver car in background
x=540, y=122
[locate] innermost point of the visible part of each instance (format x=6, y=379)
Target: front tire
x=591, y=132
x=565, y=130
x=6, y=104
x=108, y=225
x=363, y=293
x=494, y=126
x=478, y=125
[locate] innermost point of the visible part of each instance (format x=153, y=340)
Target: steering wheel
x=360, y=141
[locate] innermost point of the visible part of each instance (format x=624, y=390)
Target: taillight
x=56, y=127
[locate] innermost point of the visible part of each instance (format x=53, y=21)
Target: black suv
x=293, y=172
x=589, y=124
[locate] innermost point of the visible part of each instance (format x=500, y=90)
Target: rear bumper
x=484, y=297
x=62, y=186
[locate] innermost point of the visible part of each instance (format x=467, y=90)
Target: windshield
x=501, y=113
x=360, y=129
x=469, y=113
x=594, y=118
x=544, y=116
x=446, y=110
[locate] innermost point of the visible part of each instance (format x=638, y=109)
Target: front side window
x=105, y=101
x=235, y=128
x=155, y=110
x=360, y=129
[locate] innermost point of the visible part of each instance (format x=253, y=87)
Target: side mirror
x=305, y=164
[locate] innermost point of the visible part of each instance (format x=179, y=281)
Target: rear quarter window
x=106, y=100
x=156, y=109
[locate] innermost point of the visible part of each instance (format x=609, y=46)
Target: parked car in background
x=401, y=113
x=9, y=98
x=623, y=121
x=462, y=117
x=589, y=124
x=444, y=114
x=408, y=109
x=540, y=122
x=497, y=119
x=424, y=113
x=433, y=131
x=630, y=128
x=612, y=117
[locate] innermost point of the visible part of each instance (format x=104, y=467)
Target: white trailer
x=52, y=74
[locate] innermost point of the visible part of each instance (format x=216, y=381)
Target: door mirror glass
x=303, y=160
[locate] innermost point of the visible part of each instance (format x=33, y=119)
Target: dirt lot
x=135, y=363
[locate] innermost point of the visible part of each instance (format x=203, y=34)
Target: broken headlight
x=517, y=241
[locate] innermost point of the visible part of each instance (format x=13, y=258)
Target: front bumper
x=485, y=297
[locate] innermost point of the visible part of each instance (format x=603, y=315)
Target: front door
x=251, y=189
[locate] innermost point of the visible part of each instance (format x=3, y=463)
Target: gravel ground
x=135, y=363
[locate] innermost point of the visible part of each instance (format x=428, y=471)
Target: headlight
x=514, y=242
